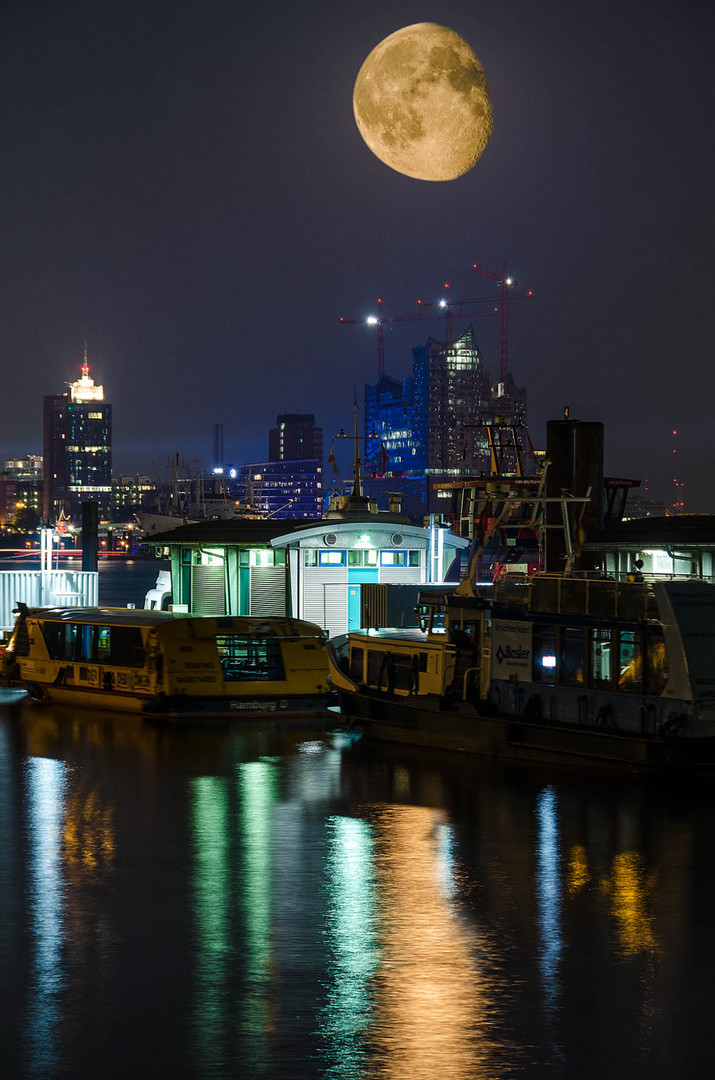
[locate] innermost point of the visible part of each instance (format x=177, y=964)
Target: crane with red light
x=504, y=282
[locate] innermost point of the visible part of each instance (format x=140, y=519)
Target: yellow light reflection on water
x=88, y=834
x=431, y=1002
x=577, y=873
x=630, y=888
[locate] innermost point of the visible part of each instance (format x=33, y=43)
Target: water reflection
x=354, y=951
x=433, y=1006
x=630, y=888
x=211, y=913
x=45, y=786
x=257, y=796
x=273, y=906
x=548, y=896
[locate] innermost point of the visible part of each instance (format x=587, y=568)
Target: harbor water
x=299, y=902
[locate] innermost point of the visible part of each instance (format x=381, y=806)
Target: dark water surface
x=299, y=903
x=236, y=902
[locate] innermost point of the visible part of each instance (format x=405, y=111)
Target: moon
x=422, y=104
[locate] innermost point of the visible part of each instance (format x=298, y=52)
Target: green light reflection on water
x=257, y=796
x=211, y=913
x=354, y=947
x=233, y=891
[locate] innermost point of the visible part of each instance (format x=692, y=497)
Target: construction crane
x=504, y=282
x=380, y=320
x=449, y=307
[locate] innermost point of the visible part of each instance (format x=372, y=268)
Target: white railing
x=46, y=588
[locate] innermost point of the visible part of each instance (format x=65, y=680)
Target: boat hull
x=184, y=706
x=458, y=726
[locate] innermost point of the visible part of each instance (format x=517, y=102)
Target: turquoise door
x=353, y=607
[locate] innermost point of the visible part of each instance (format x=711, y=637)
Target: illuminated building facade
x=290, y=483
x=279, y=489
x=77, y=448
x=130, y=493
x=389, y=415
x=24, y=478
x=432, y=424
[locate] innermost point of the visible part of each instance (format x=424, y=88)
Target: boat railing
x=567, y=594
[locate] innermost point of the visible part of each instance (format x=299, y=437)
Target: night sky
x=183, y=185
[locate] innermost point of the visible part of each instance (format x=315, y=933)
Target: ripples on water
x=231, y=902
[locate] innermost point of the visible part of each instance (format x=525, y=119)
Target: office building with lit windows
x=279, y=489
x=77, y=458
x=433, y=425
x=290, y=483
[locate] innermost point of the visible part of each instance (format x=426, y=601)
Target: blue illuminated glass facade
x=431, y=425
x=280, y=489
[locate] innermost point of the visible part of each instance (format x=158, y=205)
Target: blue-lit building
x=279, y=489
x=392, y=444
x=432, y=425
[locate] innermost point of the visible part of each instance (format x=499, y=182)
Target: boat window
x=310, y=557
x=125, y=646
x=630, y=661
x=70, y=643
x=656, y=663
x=404, y=668
x=544, y=654
x=414, y=558
x=375, y=667
x=395, y=670
x=356, y=664
x=571, y=665
x=600, y=659
x=118, y=645
x=103, y=646
x=250, y=659
x=53, y=634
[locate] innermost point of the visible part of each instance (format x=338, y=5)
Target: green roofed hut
x=295, y=567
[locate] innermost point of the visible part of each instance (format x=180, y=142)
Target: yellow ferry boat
x=164, y=664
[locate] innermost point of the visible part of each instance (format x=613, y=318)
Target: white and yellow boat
x=163, y=664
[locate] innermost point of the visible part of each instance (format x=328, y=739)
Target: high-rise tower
x=77, y=447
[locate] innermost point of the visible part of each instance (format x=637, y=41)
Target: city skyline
x=192, y=197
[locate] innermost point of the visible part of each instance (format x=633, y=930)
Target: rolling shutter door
x=207, y=590
x=268, y=591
